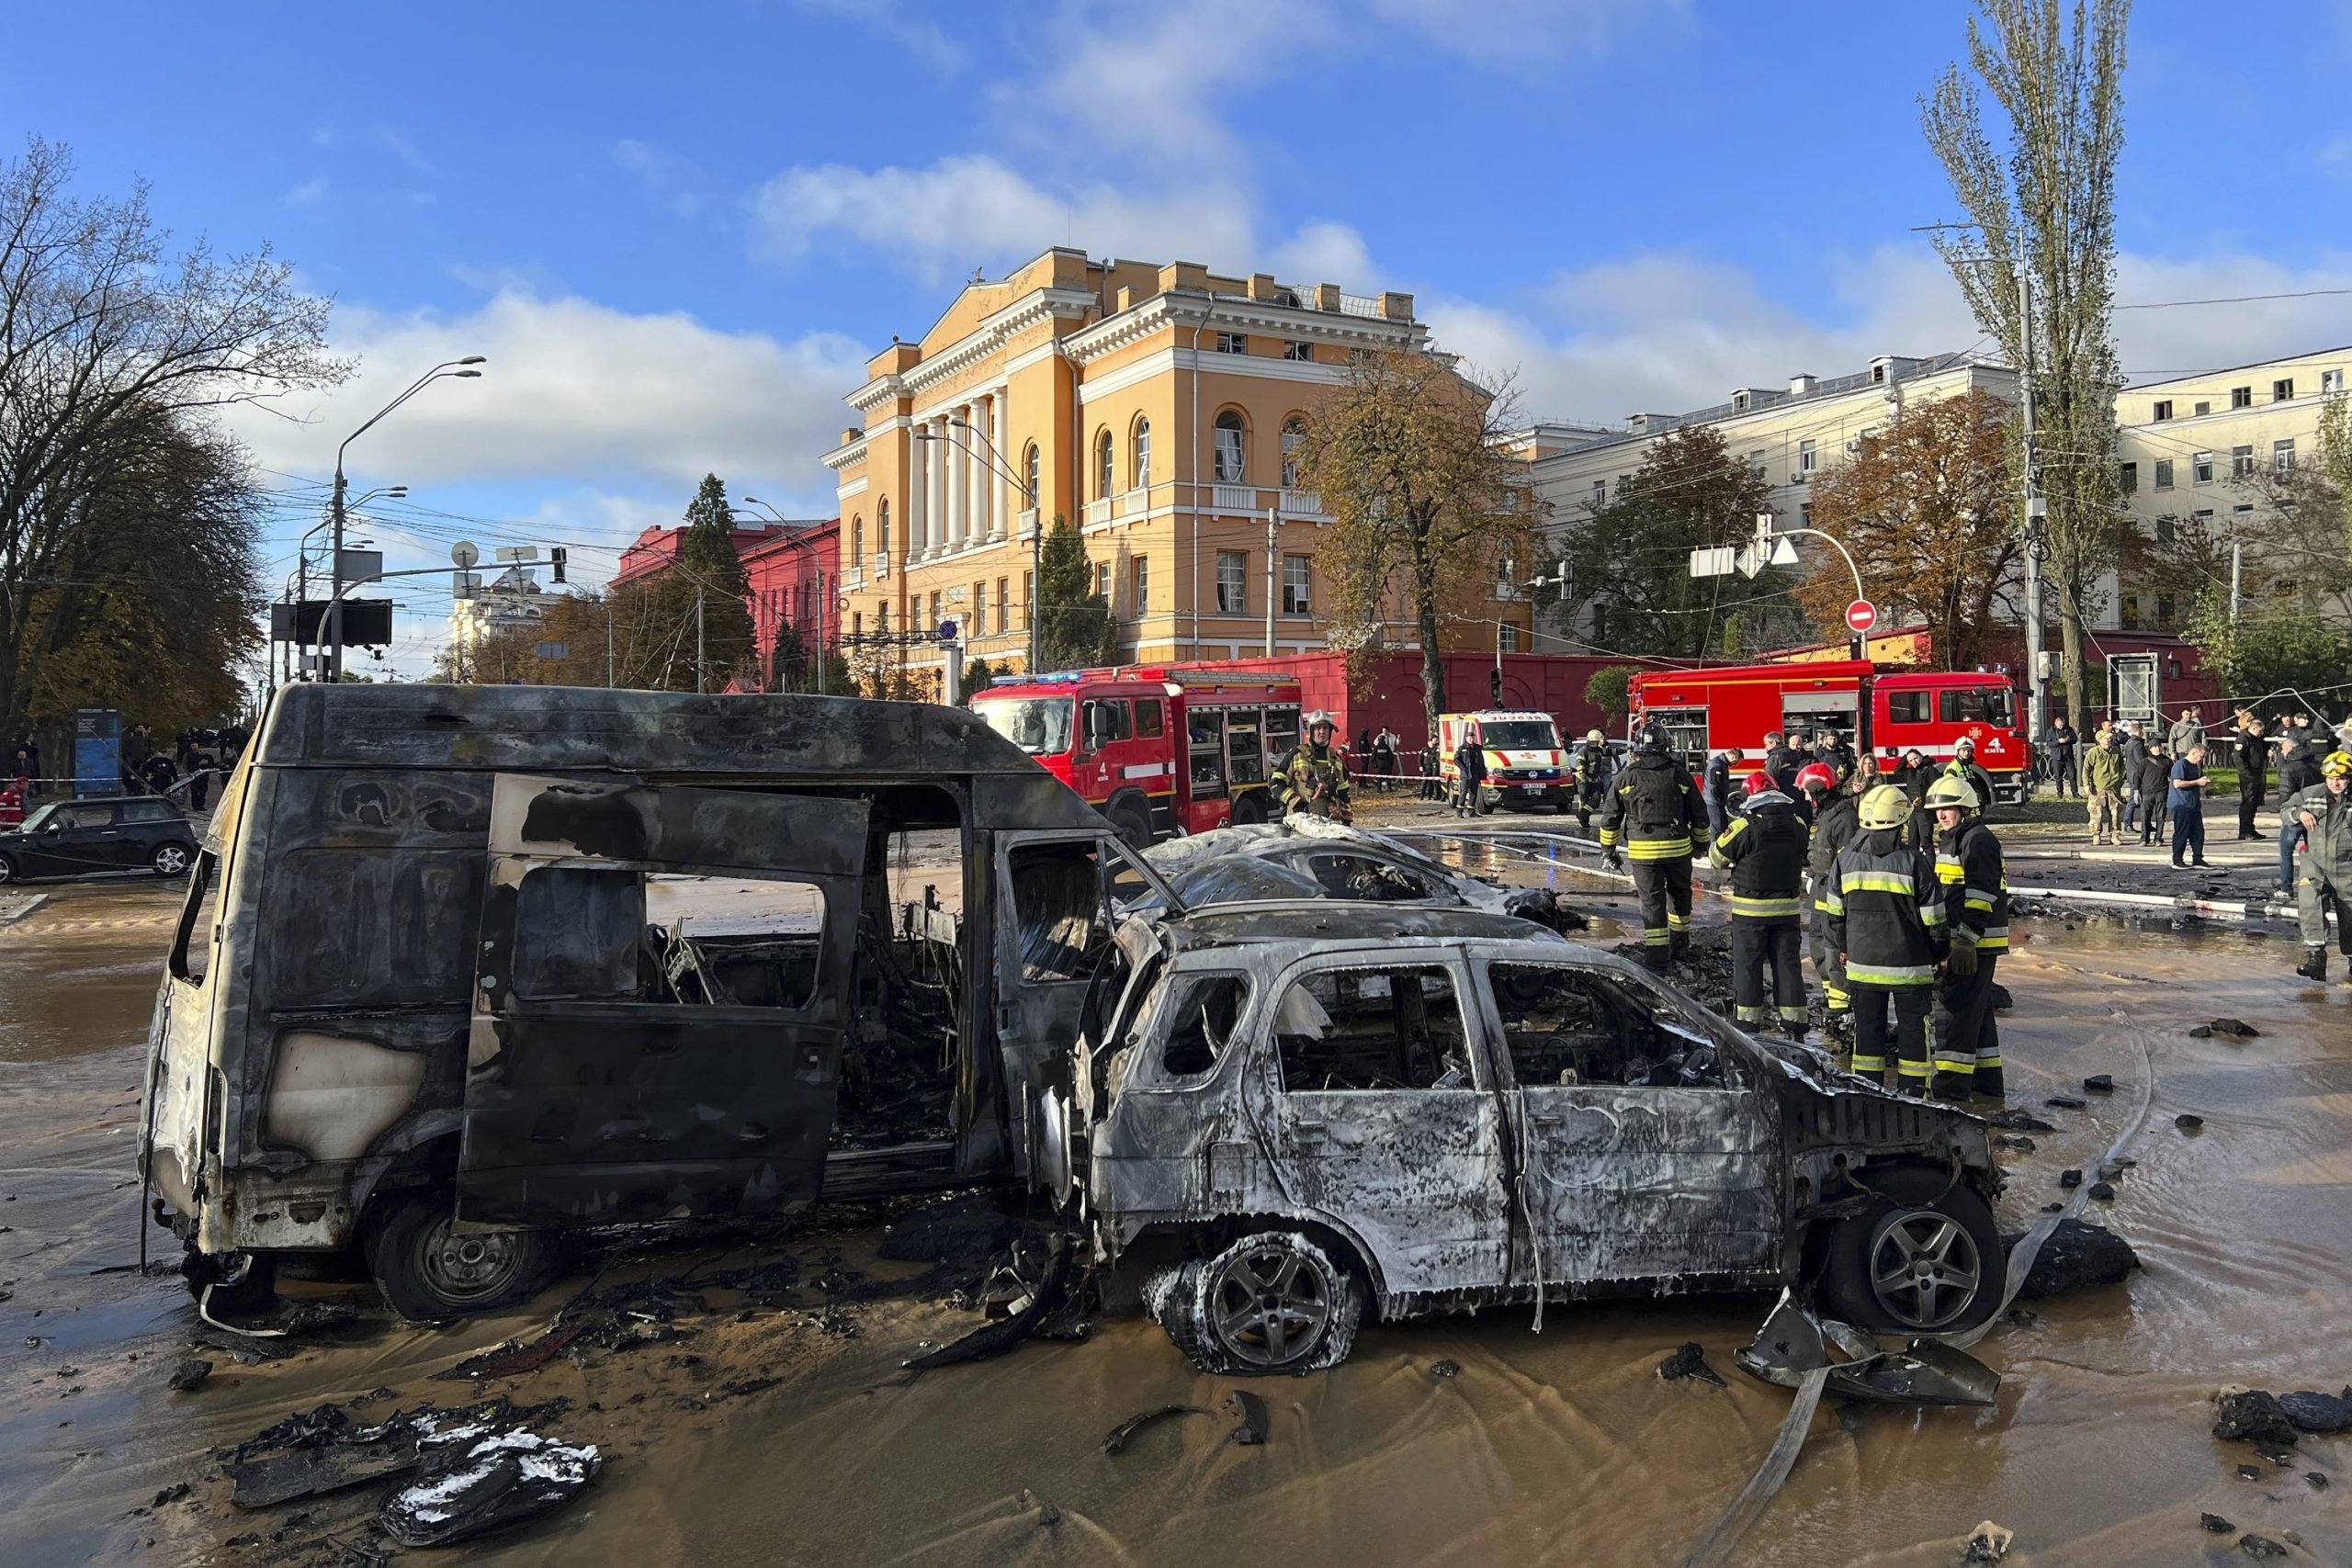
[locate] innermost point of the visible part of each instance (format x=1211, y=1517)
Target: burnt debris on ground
x=2074, y=1255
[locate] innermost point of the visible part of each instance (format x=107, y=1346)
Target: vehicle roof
x=672, y=735
x=1229, y=925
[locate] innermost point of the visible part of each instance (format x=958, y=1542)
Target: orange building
x=1155, y=407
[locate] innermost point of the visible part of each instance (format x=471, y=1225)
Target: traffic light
x=1495, y=685
x=556, y=557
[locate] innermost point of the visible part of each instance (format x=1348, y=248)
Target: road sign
x=948, y=631
x=1860, y=615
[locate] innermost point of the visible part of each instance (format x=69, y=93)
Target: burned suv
x=1287, y=1118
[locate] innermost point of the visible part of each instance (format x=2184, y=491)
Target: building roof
x=2234, y=369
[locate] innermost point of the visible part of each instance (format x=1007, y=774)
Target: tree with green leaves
x=709, y=579
x=1630, y=556
x=2038, y=186
x=1611, y=689
x=977, y=673
x=1074, y=626
x=2269, y=649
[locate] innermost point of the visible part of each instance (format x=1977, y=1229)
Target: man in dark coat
x=2254, y=766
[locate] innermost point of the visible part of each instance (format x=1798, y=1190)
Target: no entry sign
x=1860, y=615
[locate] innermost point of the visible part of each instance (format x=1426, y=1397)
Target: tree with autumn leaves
x=1926, y=510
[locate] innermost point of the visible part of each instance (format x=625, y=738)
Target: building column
x=959, y=478
x=983, y=450
x=1007, y=494
x=936, y=513
x=910, y=508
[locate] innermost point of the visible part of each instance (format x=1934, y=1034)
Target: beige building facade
x=1156, y=407
x=2215, y=448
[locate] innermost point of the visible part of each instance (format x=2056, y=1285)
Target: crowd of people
x=187, y=769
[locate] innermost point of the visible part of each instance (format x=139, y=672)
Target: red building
x=793, y=569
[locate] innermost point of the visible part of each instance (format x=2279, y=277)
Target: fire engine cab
x=1157, y=750
x=1883, y=713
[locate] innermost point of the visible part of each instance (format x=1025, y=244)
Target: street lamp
x=448, y=369
x=1036, y=528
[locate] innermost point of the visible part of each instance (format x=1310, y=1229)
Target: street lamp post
x=446, y=370
x=1036, y=528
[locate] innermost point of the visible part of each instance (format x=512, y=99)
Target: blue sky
x=678, y=232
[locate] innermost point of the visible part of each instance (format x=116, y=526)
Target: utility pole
x=2237, y=574
x=699, y=666
x=1273, y=566
x=2036, y=509
x=608, y=637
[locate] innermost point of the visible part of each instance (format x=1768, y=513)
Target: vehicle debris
x=2103, y=1190
x=1447, y=1369
x=316, y=1451
x=2314, y=1412
x=2020, y=1120
x=2100, y=1083
x=1988, y=1542
x=2236, y=1026
x=1254, y=1416
x=2077, y=1254
x=1793, y=1342
x=2317, y=1480
x=1690, y=1361
x=2249, y=1472
x=1046, y=1300
x=2260, y=1546
x=2188, y=1122
x=487, y=1484
x=1124, y=1432
x=2017, y=1141
x=2067, y=1101
x=2070, y=1177
x=189, y=1375
x=2252, y=1415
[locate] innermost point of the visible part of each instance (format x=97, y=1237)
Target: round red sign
x=1862, y=615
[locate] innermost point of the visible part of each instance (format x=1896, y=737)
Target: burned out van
x=464, y=969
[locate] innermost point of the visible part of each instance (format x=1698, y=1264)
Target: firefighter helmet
x=1950, y=792
x=1320, y=717
x=1760, y=783
x=1652, y=737
x=2337, y=765
x=1885, y=807
x=1594, y=735
x=1817, y=778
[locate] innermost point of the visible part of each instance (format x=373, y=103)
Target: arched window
x=1232, y=448
x=882, y=530
x=1143, y=453
x=1294, y=437
x=1103, y=448
x=856, y=543
x=1029, y=474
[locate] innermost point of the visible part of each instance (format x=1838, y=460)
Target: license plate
x=1532, y=789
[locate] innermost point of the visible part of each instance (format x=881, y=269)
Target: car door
x=81, y=837
x=1384, y=1121
x=1641, y=1180
x=624, y=1064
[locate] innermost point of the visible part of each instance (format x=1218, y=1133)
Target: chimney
x=1396, y=306
x=1800, y=384
x=850, y=435
x=1324, y=297
x=1262, y=286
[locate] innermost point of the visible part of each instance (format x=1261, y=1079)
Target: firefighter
x=1886, y=921
x=1834, y=826
x=1470, y=775
x=1653, y=817
x=2324, y=870
x=1316, y=780
x=1963, y=767
x=1763, y=848
x=1976, y=901
x=1592, y=778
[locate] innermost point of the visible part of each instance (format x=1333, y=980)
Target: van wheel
x=1133, y=819
x=427, y=1271
x=1250, y=806
x=1920, y=1260
x=1270, y=1303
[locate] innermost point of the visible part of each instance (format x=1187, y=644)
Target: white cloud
x=2182, y=338
x=307, y=193
x=925, y=40
x=1323, y=252
x=967, y=211
x=575, y=394
x=674, y=181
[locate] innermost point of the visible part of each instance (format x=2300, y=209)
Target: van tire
x=429, y=1274
x=1250, y=807
x=1320, y=1297
x=1133, y=819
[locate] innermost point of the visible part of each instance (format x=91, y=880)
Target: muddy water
x=1558, y=1448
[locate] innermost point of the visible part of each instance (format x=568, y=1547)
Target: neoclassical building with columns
x=1155, y=407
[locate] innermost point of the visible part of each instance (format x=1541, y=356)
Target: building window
x=1103, y=466
x=1756, y=464
x=858, y=623
x=1599, y=492
x=1029, y=473
x=935, y=610
x=1232, y=343
x=1232, y=583
x=2241, y=515
x=2241, y=462
x=882, y=618
x=2283, y=391
x=2131, y=613
x=1141, y=571
x=882, y=534
x=1232, y=443
x=1294, y=437
x=2202, y=410
x=2204, y=518
x=1299, y=597
x=2200, y=467
x=1804, y=514
x=1507, y=637
x=2283, y=457
x=1304, y=351
x=1807, y=460
x=2241, y=396
x=2165, y=529
x=2163, y=473
x=2163, y=411
x=857, y=541
x=1878, y=374
x=2331, y=381
x=2129, y=475
x=1143, y=454
x=1003, y=604
x=1739, y=402
x=1103, y=582
x=2164, y=609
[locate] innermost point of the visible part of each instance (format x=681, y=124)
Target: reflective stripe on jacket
x=1886, y=911
x=1977, y=887
x=1764, y=849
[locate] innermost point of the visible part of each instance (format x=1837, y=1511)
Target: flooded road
x=1559, y=1448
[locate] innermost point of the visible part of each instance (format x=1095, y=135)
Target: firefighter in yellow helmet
x=1886, y=921
x=1976, y=885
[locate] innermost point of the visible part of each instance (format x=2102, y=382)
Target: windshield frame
x=1011, y=708
x=39, y=817
x=1549, y=739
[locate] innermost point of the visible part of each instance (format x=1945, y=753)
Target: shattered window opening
x=617, y=934
x=1057, y=904
x=1202, y=1011
x=1372, y=1029
x=1373, y=881
x=1567, y=1026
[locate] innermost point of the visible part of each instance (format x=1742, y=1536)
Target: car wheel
x=170, y=860
x=428, y=1271
x=1250, y=806
x=1133, y=819
x=1272, y=1303
x=1924, y=1258
x=7, y=870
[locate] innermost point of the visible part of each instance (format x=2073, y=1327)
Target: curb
x=11, y=913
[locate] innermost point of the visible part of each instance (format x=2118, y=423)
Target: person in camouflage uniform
x=1316, y=783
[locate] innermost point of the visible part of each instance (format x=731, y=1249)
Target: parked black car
x=75, y=837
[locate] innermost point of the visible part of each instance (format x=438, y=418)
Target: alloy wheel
x=1925, y=1269
x=1270, y=1305
x=170, y=860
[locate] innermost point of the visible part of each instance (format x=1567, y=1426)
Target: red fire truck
x=1883, y=712
x=1156, y=749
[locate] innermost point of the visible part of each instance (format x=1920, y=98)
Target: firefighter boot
x=1678, y=947
x=2315, y=964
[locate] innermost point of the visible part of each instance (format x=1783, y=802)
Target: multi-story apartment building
x=512, y=598
x=1155, y=407
x=2217, y=449
x=1789, y=436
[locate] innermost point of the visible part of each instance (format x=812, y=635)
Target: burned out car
x=1312, y=858
x=1289, y=1117
x=464, y=970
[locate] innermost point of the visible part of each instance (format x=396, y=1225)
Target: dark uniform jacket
x=2298, y=762
x=1977, y=887
x=1593, y=768
x=1832, y=829
x=1654, y=809
x=1470, y=761
x=1765, y=850
x=1975, y=777
x=1317, y=781
x=1886, y=911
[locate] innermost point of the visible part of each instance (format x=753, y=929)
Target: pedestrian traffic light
x=556, y=557
x=1495, y=685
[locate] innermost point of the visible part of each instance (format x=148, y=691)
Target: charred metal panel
x=677, y=828
x=1417, y=1173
